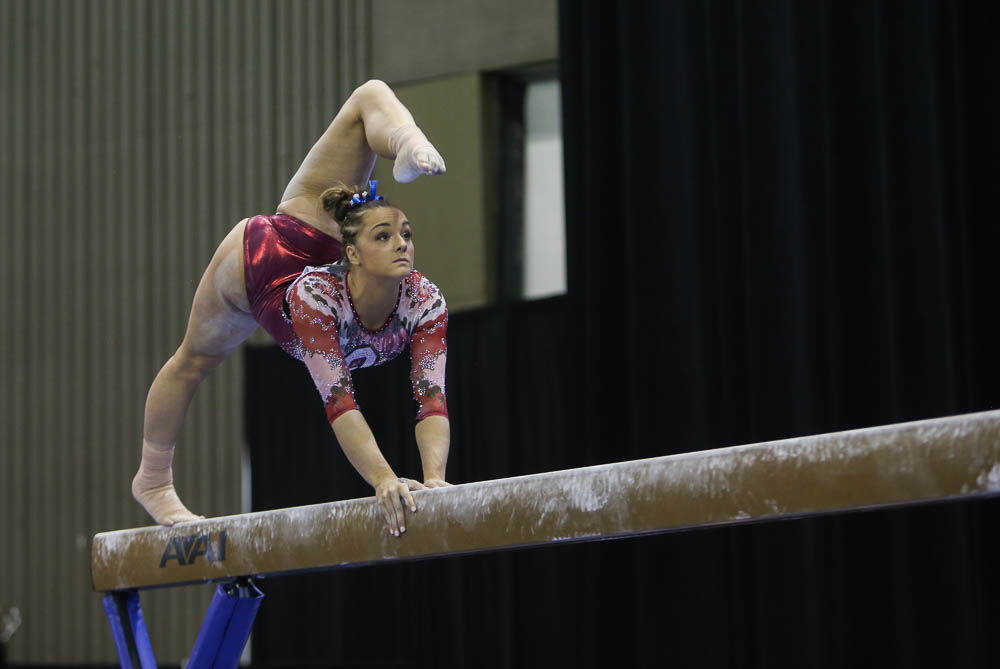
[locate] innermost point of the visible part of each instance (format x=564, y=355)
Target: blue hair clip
x=366, y=196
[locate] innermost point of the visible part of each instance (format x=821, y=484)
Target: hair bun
x=337, y=199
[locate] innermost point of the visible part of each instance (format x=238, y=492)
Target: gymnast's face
x=384, y=245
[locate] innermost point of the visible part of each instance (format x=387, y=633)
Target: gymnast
x=343, y=258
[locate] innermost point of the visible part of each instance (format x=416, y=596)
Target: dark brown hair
x=337, y=202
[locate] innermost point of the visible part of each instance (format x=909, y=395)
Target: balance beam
x=910, y=463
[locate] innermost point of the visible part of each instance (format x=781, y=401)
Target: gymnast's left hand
x=436, y=483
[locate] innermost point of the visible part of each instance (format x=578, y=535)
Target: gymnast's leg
x=220, y=320
x=372, y=121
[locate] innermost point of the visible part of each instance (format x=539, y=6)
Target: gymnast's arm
x=433, y=440
x=358, y=443
x=428, y=357
x=315, y=324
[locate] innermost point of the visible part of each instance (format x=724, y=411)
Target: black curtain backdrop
x=781, y=221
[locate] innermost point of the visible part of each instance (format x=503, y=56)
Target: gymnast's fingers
x=384, y=497
x=408, y=498
x=387, y=513
x=397, y=507
x=413, y=484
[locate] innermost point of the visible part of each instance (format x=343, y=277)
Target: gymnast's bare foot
x=414, y=155
x=153, y=488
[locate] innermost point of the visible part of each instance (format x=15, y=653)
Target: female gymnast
x=359, y=312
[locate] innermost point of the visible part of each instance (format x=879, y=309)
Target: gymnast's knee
x=193, y=366
x=371, y=90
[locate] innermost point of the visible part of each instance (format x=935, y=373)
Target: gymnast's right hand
x=391, y=494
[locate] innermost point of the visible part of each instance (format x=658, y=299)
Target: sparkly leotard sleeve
x=331, y=340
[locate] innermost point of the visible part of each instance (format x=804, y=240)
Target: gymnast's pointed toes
x=431, y=162
x=414, y=162
x=433, y=169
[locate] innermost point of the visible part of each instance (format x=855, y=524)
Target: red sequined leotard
x=275, y=251
x=331, y=340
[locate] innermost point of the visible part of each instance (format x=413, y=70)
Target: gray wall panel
x=135, y=135
x=460, y=37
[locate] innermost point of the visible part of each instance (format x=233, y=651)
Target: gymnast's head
x=376, y=235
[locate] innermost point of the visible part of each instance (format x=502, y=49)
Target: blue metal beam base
x=128, y=629
x=227, y=626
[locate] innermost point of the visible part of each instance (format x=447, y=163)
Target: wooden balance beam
x=893, y=465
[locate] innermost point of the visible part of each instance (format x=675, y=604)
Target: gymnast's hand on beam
x=389, y=492
x=436, y=483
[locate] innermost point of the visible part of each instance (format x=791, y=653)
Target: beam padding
x=909, y=463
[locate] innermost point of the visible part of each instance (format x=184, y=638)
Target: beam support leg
x=227, y=625
x=128, y=629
